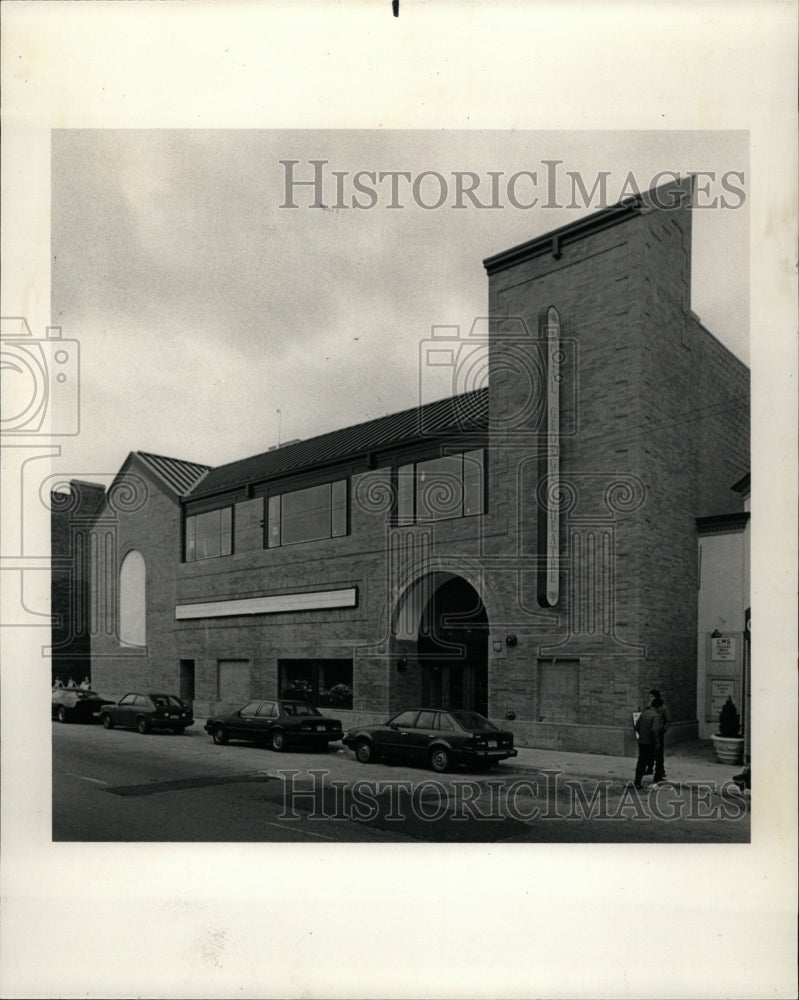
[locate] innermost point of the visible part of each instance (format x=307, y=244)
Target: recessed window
x=307, y=515
x=209, y=535
x=441, y=488
x=326, y=683
x=133, y=600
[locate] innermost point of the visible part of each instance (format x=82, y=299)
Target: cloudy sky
x=203, y=307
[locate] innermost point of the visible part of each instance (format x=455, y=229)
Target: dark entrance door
x=187, y=680
x=453, y=648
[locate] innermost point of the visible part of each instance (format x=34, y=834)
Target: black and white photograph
x=426, y=481
x=381, y=519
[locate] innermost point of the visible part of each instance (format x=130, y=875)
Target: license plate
x=492, y=744
x=320, y=727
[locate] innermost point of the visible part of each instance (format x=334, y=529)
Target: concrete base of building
x=571, y=737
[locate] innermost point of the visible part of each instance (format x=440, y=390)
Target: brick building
x=527, y=547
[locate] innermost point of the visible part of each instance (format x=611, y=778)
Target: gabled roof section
x=178, y=475
x=466, y=413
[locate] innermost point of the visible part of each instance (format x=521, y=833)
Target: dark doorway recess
x=453, y=648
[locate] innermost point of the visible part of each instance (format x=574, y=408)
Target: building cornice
x=720, y=524
x=554, y=241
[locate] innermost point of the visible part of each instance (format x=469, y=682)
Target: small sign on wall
x=722, y=648
x=721, y=688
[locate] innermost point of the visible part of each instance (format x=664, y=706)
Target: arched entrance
x=452, y=648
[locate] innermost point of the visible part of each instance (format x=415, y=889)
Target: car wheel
x=439, y=759
x=179, y=730
x=278, y=741
x=62, y=714
x=143, y=725
x=363, y=751
x=108, y=722
x=220, y=736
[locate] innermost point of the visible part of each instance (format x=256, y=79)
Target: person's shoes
x=638, y=786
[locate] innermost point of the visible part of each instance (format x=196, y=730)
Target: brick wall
x=139, y=515
x=661, y=411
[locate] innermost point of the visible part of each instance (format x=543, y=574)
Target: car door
x=419, y=738
x=265, y=719
x=242, y=723
x=122, y=712
x=393, y=739
x=142, y=706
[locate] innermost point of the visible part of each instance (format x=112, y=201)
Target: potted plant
x=728, y=742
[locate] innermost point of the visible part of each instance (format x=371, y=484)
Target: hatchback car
x=144, y=712
x=77, y=705
x=435, y=737
x=276, y=724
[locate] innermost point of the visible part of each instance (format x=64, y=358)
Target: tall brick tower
x=616, y=420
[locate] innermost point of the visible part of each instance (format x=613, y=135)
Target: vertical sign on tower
x=549, y=461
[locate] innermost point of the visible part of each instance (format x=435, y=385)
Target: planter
x=729, y=749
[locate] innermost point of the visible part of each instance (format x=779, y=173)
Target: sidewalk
x=686, y=763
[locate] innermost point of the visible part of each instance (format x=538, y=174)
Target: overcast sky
x=203, y=307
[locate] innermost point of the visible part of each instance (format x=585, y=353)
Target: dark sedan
x=277, y=724
x=77, y=705
x=434, y=737
x=147, y=711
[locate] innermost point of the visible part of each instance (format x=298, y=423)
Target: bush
x=337, y=696
x=301, y=690
x=729, y=720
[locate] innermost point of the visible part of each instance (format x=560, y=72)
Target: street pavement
x=121, y=786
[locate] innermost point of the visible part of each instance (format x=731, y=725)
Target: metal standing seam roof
x=465, y=413
x=180, y=476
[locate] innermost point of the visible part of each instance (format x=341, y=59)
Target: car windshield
x=298, y=708
x=471, y=720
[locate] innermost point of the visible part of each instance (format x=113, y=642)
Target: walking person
x=648, y=728
x=665, y=721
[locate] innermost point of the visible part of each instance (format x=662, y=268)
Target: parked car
x=278, y=724
x=435, y=737
x=77, y=705
x=144, y=712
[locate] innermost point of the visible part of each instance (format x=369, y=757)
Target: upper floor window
x=308, y=515
x=441, y=488
x=209, y=535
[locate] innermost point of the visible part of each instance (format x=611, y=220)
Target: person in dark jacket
x=648, y=729
x=665, y=721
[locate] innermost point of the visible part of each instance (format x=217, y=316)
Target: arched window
x=132, y=600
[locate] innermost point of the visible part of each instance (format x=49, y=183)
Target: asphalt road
x=121, y=786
